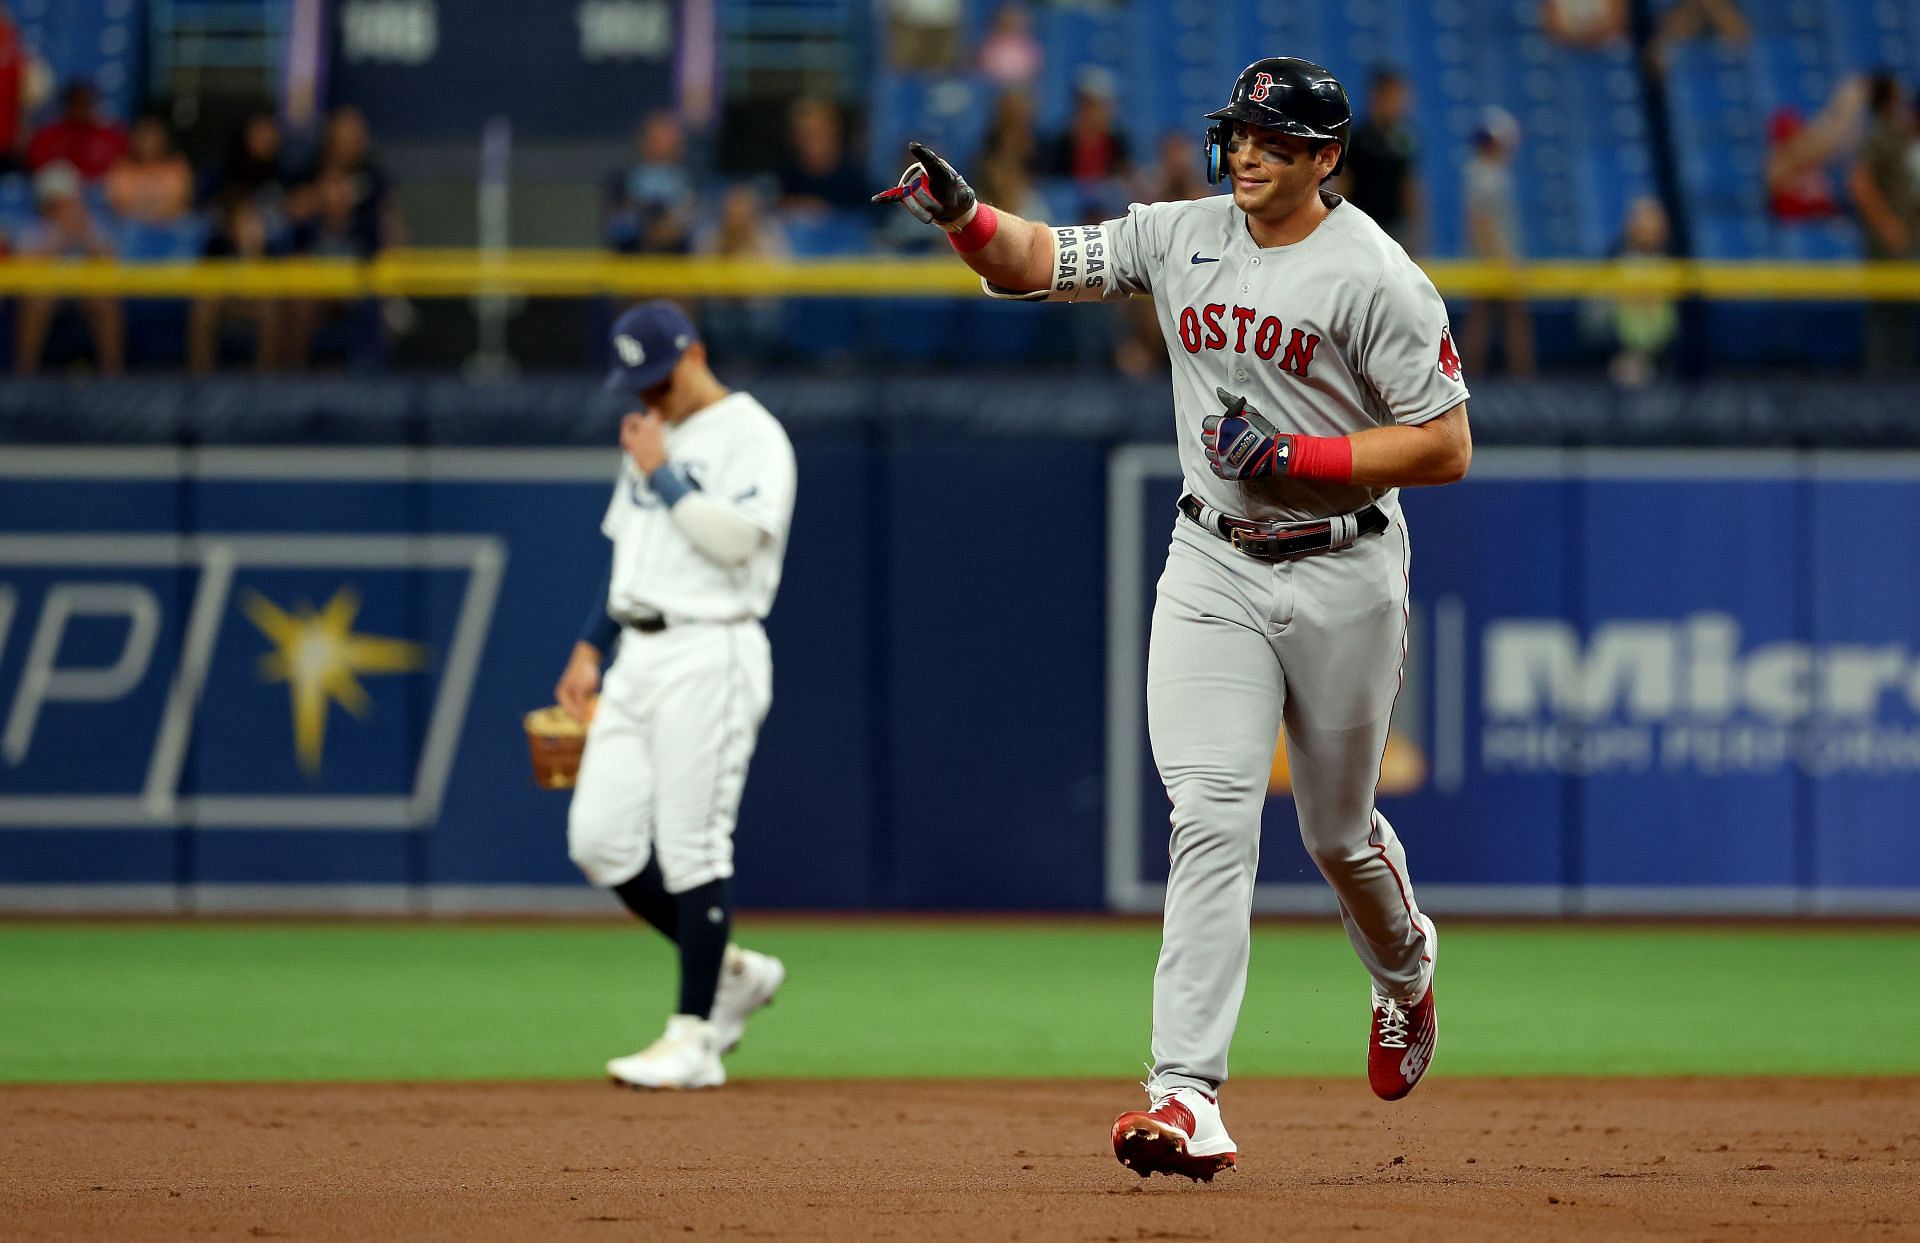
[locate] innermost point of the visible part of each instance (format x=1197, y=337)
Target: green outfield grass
x=186, y=1001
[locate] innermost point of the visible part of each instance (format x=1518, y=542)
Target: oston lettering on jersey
x=1206, y=328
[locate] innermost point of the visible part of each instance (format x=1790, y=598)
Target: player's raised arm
x=1010, y=253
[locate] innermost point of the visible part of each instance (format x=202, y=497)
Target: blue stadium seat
x=824, y=328
x=148, y=243
x=829, y=233
x=1723, y=97
x=16, y=203
x=99, y=40
x=1585, y=152
x=948, y=114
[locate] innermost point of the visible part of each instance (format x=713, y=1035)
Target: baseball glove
x=555, y=740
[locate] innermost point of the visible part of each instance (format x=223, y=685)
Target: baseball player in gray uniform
x=698, y=523
x=1314, y=375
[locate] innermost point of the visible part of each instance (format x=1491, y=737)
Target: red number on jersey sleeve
x=1449, y=361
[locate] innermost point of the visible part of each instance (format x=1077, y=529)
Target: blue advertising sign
x=239, y=667
x=259, y=677
x=1637, y=682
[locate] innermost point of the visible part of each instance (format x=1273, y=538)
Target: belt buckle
x=1256, y=544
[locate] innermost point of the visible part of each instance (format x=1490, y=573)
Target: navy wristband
x=671, y=483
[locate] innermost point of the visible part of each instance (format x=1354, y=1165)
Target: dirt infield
x=1463, y=1159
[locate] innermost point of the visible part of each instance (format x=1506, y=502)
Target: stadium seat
x=98, y=40
x=16, y=204
x=148, y=243
x=819, y=235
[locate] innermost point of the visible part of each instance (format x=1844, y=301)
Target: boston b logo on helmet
x=1284, y=94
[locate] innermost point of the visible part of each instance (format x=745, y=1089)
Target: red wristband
x=1321, y=457
x=977, y=232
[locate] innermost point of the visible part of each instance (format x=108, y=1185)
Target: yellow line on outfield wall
x=574, y=274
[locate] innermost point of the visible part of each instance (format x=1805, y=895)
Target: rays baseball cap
x=648, y=340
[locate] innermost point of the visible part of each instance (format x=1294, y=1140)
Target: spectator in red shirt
x=13, y=88
x=80, y=136
x=1091, y=152
x=1801, y=153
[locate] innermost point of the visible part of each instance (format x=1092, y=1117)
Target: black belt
x=645, y=625
x=1283, y=541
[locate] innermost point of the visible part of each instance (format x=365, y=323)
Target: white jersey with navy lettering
x=1339, y=332
x=680, y=708
x=740, y=456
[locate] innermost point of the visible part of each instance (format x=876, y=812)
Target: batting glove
x=932, y=191
x=1240, y=444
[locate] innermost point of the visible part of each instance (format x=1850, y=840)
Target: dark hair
x=1883, y=90
x=1385, y=75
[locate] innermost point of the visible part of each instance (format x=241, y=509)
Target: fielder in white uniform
x=1313, y=375
x=698, y=521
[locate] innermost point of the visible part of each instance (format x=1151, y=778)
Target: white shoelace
x=1393, y=1024
x=1158, y=1094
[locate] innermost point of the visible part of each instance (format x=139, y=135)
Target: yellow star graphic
x=318, y=656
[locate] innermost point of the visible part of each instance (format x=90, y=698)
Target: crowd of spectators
x=81, y=185
x=816, y=200
x=1088, y=169
x=1608, y=23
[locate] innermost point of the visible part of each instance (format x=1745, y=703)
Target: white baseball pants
x=667, y=752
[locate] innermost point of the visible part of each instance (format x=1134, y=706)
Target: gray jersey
x=1334, y=334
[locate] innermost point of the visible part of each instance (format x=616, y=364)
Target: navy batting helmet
x=1285, y=94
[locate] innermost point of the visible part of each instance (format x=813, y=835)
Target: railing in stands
x=431, y=273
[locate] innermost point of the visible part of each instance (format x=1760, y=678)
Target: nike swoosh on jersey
x=748, y=495
x=1198, y=259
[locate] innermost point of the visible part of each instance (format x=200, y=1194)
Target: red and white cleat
x=1179, y=1133
x=1400, y=1046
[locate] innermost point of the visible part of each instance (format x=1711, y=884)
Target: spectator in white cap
x=1493, y=237
x=65, y=229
